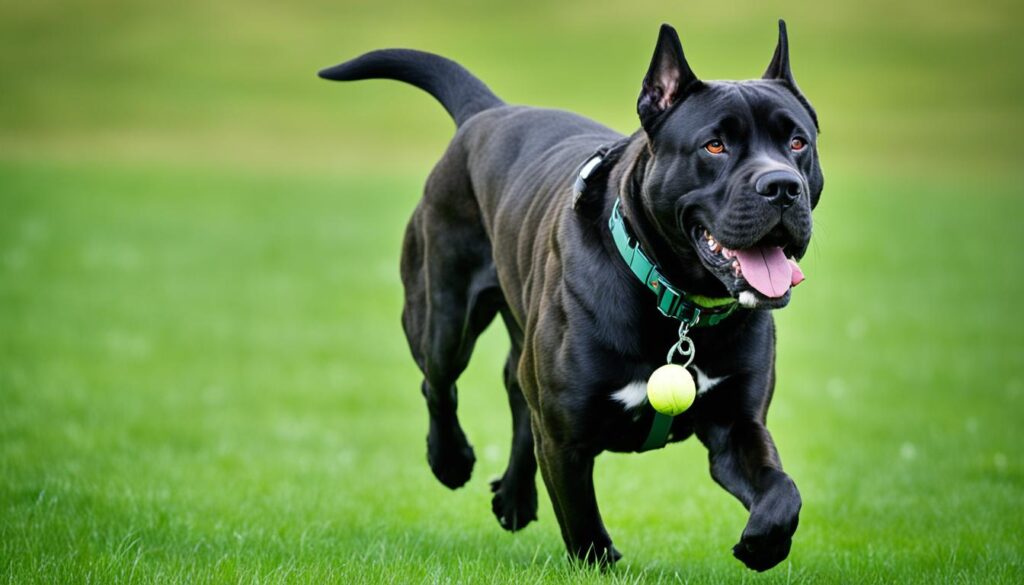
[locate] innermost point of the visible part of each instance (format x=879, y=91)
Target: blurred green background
x=202, y=372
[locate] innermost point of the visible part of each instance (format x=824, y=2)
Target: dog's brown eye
x=797, y=144
x=715, y=147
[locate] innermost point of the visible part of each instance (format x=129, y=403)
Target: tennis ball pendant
x=671, y=390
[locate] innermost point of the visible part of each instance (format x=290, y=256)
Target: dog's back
x=503, y=169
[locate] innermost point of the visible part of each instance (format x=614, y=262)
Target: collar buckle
x=668, y=297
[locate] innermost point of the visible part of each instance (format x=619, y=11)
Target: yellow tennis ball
x=671, y=390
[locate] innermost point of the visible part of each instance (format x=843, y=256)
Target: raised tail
x=458, y=90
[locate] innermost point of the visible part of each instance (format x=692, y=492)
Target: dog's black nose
x=780, y=187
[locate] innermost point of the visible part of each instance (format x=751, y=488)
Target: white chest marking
x=704, y=383
x=634, y=394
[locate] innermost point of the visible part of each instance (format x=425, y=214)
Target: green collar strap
x=658, y=436
x=697, y=310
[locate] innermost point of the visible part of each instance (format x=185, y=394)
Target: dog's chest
x=634, y=394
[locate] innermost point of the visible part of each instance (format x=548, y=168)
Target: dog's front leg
x=568, y=475
x=744, y=461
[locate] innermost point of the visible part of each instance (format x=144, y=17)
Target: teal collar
x=696, y=310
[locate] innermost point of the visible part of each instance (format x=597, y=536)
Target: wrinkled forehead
x=738, y=108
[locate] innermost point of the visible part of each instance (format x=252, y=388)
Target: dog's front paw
x=761, y=554
x=450, y=456
x=514, y=503
x=774, y=516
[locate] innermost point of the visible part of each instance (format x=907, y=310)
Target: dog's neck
x=626, y=180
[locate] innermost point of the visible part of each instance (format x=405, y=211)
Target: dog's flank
x=717, y=188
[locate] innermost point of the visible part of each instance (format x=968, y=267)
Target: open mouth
x=759, y=276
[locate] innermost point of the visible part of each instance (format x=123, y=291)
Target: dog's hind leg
x=451, y=295
x=515, y=493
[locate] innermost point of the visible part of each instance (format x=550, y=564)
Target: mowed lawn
x=203, y=377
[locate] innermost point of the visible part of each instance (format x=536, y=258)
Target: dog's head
x=731, y=175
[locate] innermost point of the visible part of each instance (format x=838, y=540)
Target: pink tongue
x=767, y=269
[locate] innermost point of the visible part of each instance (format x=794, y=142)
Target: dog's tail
x=458, y=90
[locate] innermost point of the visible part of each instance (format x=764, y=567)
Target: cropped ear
x=668, y=80
x=778, y=70
x=779, y=67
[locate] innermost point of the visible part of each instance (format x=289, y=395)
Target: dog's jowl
x=607, y=256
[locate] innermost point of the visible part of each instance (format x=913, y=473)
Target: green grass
x=202, y=372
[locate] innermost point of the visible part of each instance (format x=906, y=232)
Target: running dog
x=600, y=252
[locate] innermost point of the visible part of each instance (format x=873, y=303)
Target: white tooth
x=711, y=244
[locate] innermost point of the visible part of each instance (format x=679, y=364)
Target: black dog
x=714, y=193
